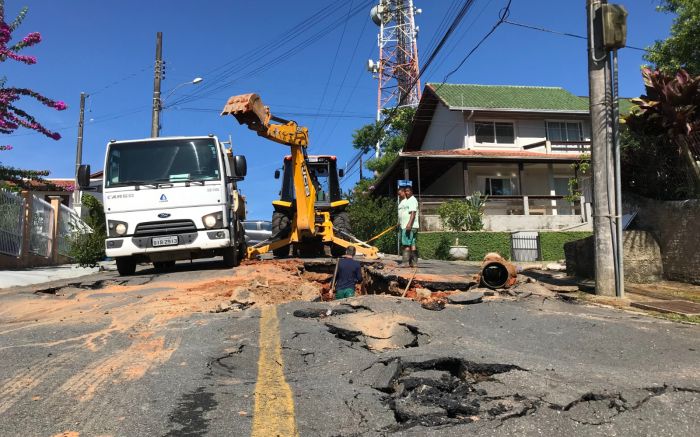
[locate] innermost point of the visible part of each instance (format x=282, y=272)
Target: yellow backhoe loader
x=310, y=214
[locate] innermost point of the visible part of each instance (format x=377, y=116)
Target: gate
x=525, y=246
x=11, y=222
x=41, y=228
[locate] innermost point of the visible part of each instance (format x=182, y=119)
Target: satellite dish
x=376, y=14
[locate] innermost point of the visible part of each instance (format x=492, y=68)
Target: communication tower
x=397, y=67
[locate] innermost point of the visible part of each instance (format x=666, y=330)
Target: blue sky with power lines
x=305, y=58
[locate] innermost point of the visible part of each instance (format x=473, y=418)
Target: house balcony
x=560, y=146
x=516, y=213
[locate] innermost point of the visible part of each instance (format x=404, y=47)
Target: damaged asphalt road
x=155, y=356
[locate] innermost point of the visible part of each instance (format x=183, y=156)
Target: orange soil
x=142, y=313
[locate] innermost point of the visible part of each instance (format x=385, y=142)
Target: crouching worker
x=349, y=274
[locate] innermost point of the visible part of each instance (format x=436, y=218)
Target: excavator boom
x=307, y=222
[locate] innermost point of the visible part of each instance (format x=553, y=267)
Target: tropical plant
x=670, y=113
x=463, y=215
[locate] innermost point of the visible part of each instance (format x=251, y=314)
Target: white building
x=517, y=145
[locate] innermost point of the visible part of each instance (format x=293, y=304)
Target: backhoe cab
x=310, y=213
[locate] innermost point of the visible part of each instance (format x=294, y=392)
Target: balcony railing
x=512, y=205
x=561, y=146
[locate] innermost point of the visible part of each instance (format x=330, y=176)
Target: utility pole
x=157, y=76
x=79, y=154
x=601, y=152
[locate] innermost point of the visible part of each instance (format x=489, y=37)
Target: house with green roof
x=518, y=145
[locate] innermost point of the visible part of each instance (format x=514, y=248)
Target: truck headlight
x=214, y=220
x=117, y=228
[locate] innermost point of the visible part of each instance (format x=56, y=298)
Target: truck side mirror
x=237, y=166
x=84, y=176
x=341, y=173
x=240, y=166
x=277, y=174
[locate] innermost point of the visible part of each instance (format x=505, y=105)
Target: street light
x=161, y=102
x=194, y=81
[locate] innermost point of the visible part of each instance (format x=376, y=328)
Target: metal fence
x=525, y=246
x=41, y=228
x=69, y=225
x=11, y=220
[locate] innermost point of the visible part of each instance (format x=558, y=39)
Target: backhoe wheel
x=281, y=227
x=126, y=265
x=341, y=222
x=337, y=251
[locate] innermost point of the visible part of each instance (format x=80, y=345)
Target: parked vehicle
x=169, y=199
x=257, y=231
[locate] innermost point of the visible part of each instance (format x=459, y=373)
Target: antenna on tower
x=397, y=68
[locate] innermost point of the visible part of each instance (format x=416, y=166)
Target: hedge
x=552, y=243
x=436, y=245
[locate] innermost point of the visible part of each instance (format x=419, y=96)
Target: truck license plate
x=165, y=241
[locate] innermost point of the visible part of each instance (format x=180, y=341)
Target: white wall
x=446, y=131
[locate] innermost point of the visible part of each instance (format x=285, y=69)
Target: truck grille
x=170, y=227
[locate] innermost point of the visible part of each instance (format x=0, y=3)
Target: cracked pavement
x=149, y=355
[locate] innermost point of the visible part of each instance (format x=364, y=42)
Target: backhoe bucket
x=248, y=109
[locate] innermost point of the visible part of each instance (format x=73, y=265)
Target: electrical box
x=614, y=26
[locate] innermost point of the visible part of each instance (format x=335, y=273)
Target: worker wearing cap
x=349, y=274
x=408, y=227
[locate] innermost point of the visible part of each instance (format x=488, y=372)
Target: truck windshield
x=162, y=161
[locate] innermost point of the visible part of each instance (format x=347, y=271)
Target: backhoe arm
x=249, y=110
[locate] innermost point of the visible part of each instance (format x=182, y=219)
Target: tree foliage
x=370, y=215
x=681, y=50
x=392, y=138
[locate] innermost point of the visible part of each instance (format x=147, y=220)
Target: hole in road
x=445, y=391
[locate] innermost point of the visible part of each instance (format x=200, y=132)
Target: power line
x=555, y=32
x=503, y=15
x=345, y=76
x=284, y=54
x=335, y=56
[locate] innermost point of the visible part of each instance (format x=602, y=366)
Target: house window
x=498, y=187
x=494, y=132
x=564, y=131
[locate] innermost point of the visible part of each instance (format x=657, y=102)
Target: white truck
x=171, y=198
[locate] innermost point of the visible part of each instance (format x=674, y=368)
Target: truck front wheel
x=231, y=257
x=126, y=265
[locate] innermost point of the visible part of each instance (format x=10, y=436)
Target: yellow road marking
x=274, y=403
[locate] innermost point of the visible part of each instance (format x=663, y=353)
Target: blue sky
x=106, y=48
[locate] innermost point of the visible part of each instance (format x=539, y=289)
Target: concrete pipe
x=496, y=272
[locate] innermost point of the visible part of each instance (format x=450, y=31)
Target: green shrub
x=552, y=243
x=371, y=215
x=463, y=215
x=88, y=248
x=436, y=245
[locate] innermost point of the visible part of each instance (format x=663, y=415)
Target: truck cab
x=172, y=198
